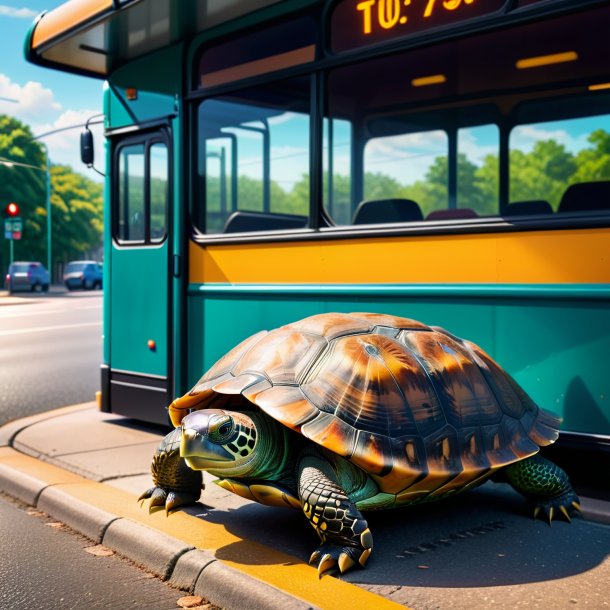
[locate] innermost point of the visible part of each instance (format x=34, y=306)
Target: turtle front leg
x=546, y=485
x=175, y=484
x=346, y=538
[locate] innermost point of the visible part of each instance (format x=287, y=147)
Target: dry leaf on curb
x=34, y=513
x=55, y=524
x=190, y=601
x=99, y=550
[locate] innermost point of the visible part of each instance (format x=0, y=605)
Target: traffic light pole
x=49, y=257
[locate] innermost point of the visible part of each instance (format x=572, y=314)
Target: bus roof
x=94, y=37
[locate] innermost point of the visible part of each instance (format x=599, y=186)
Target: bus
x=443, y=160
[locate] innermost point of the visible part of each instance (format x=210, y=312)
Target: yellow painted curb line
x=276, y=568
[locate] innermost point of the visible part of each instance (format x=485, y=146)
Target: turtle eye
x=221, y=430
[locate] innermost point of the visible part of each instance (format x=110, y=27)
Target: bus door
x=140, y=280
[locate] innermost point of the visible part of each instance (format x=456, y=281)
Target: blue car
x=29, y=276
x=86, y=275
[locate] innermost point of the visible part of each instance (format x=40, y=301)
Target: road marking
x=39, y=312
x=4, y=333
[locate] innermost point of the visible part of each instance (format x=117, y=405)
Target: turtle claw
x=565, y=505
x=331, y=557
x=146, y=494
x=169, y=500
x=314, y=556
x=326, y=564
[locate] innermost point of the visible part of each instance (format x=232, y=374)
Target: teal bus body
x=554, y=367
x=547, y=323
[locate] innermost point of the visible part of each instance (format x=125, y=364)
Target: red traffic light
x=12, y=210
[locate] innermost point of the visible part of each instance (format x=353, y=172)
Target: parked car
x=27, y=276
x=83, y=274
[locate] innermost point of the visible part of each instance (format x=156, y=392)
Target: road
x=45, y=565
x=50, y=354
x=50, y=351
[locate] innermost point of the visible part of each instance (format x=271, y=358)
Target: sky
x=46, y=99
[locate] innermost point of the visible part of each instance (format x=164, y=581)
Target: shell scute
x=355, y=380
x=373, y=453
x=331, y=432
x=329, y=325
x=457, y=380
x=281, y=354
x=287, y=405
x=225, y=364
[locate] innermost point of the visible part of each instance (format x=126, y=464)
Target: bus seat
x=240, y=222
x=376, y=211
x=451, y=214
x=586, y=197
x=525, y=208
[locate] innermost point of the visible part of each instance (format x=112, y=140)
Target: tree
x=77, y=213
x=76, y=201
x=24, y=186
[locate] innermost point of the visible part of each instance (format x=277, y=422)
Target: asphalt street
x=56, y=568
x=50, y=351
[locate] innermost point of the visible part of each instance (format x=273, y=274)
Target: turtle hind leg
x=343, y=531
x=546, y=485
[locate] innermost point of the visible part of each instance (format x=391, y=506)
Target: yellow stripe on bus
x=536, y=257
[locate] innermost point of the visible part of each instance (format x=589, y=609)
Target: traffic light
x=12, y=210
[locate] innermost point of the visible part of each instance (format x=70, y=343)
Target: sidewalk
x=87, y=469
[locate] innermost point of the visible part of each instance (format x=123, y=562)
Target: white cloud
x=33, y=100
x=535, y=133
x=405, y=157
x=18, y=13
x=470, y=144
x=37, y=107
x=525, y=137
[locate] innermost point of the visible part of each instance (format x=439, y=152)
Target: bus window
x=254, y=159
x=478, y=170
x=547, y=158
x=219, y=188
x=412, y=166
x=131, y=194
x=158, y=191
x=140, y=212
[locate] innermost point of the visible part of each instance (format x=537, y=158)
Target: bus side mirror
x=86, y=148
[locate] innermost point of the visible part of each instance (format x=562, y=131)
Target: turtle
x=341, y=413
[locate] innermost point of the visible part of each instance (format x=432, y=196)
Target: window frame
x=147, y=139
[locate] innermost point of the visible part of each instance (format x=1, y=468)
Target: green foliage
x=76, y=201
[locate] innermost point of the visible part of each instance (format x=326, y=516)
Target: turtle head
x=217, y=439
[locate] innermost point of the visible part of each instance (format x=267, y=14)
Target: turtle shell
x=417, y=408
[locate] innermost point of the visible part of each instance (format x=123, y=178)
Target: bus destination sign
x=357, y=23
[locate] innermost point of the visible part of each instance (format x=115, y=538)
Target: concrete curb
x=182, y=565
x=20, y=485
x=230, y=588
x=80, y=516
x=148, y=547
